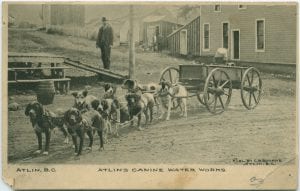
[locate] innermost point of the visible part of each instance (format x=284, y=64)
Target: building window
x=217, y=8
x=225, y=35
x=206, y=36
x=242, y=6
x=260, y=35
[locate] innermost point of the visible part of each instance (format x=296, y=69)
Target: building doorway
x=183, y=42
x=235, y=54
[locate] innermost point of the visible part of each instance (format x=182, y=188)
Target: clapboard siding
x=280, y=31
x=193, y=39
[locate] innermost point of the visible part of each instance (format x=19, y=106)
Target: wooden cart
x=213, y=84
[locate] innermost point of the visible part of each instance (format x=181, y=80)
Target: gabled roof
x=160, y=14
x=153, y=18
x=182, y=27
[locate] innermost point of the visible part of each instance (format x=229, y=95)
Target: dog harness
x=163, y=93
x=47, y=117
x=83, y=124
x=86, y=125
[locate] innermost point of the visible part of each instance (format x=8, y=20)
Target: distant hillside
x=117, y=14
x=28, y=13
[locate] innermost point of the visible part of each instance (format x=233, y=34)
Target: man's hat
x=104, y=19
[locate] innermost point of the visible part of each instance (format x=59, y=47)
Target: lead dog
x=78, y=124
x=168, y=94
x=43, y=121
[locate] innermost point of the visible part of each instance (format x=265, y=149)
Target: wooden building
x=157, y=27
x=251, y=33
x=63, y=15
x=186, y=39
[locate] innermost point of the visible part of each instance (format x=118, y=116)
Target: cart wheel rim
x=217, y=91
x=170, y=74
x=251, y=88
x=200, y=97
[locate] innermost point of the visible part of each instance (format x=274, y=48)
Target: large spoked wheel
x=251, y=87
x=171, y=75
x=217, y=91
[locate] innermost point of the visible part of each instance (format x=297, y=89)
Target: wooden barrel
x=45, y=92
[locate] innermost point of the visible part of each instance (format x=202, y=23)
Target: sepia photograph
x=181, y=90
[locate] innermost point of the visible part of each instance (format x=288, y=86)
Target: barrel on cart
x=213, y=84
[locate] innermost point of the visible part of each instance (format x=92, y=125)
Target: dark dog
x=83, y=100
x=78, y=124
x=134, y=87
x=43, y=121
x=138, y=104
x=131, y=85
x=110, y=111
x=109, y=91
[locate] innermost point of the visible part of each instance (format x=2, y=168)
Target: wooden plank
x=39, y=80
x=52, y=59
x=37, y=68
x=44, y=80
x=174, y=43
x=32, y=59
x=32, y=54
x=178, y=42
x=197, y=38
x=102, y=72
x=192, y=39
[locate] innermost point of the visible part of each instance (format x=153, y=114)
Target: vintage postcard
x=150, y=95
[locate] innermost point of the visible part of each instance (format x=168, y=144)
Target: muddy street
x=267, y=132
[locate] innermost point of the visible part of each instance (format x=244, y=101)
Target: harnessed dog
x=133, y=87
x=140, y=103
x=110, y=91
x=83, y=100
x=168, y=94
x=110, y=111
x=80, y=123
x=43, y=121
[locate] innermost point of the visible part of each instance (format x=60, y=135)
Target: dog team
x=89, y=114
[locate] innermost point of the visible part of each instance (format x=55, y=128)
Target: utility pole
x=131, y=44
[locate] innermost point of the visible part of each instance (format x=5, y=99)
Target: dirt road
x=268, y=132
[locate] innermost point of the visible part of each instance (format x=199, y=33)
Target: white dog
x=168, y=94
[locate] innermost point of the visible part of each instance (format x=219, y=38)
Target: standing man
x=104, y=42
x=159, y=43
